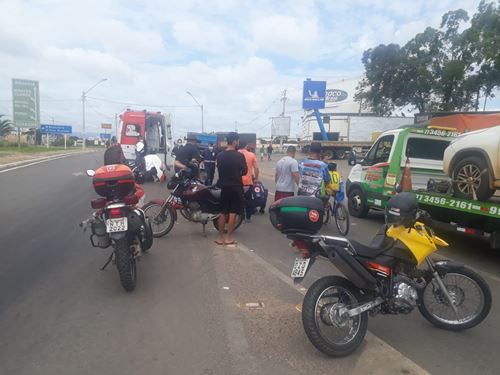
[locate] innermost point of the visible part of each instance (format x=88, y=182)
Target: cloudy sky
x=236, y=57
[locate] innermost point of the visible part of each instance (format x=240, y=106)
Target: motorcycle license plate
x=300, y=267
x=116, y=225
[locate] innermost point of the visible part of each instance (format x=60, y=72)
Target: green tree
x=6, y=126
x=443, y=69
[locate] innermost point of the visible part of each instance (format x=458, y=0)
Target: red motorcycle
x=118, y=221
x=196, y=202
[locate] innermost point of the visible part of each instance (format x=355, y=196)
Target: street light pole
x=201, y=107
x=84, y=96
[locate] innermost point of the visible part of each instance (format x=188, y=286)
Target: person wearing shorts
x=231, y=166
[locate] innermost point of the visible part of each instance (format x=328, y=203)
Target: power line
x=141, y=105
x=100, y=113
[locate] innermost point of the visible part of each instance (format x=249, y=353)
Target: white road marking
x=38, y=162
x=376, y=347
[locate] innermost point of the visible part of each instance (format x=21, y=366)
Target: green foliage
x=6, y=126
x=443, y=69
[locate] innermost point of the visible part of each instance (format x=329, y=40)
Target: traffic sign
x=56, y=129
x=26, y=103
x=105, y=136
x=106, y=126
x=314, y=94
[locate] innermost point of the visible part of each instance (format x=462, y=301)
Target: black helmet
x=401, y=210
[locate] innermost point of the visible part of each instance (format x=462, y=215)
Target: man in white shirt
x=287, y=175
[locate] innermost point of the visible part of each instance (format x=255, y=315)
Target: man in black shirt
x=187, y=154
x=114, y=154
x=231, y=166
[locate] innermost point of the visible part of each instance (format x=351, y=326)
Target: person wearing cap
x=187, y=154
x=314, y=174
x=231, y=167
x=177, y=147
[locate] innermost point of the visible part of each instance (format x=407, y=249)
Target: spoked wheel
x=162, y=220
x=239, y=220
x=328, y=213
x=469, y=293
x=126, y=264
x=342, y=220
x=329, y=331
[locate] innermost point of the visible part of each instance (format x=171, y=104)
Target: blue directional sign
x=56, y=129
x=314, y=94
x=105, y=136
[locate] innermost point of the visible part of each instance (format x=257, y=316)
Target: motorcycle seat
x=216, y=193
x=380, y=244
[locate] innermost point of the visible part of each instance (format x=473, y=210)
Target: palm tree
x=6, y=127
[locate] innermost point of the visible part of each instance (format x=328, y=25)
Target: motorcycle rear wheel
x=239, y=220
x=323, y=295
x=126, y=264
x=457, y=282
x=162, y=221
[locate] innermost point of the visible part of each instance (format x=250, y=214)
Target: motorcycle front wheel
x=239, y=220
x=329, y=333
x=162, y=220
x=126, y=264
x=469, y=293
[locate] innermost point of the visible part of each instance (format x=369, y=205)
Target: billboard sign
x=106, y=126
x=105, y=136
x=280, y=126
x=335, y=95
x=26, y=103
x=314, y=94
x=56, y=129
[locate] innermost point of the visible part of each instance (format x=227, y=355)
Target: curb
x=39, y=160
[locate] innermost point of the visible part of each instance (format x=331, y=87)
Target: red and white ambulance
x=154, y=128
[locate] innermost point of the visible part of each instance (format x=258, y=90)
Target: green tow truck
x=371, y=183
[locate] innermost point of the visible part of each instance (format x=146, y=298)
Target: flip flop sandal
x=231, y=244
x=219, y=243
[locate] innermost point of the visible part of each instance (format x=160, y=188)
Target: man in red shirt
x=251, y=178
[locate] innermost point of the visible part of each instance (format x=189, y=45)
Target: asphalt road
x=60, y=315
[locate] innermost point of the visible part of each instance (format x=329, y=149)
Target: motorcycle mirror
x=90, y=173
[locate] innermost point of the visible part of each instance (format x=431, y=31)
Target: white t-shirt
x=284, y=169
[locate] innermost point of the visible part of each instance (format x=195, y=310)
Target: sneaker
x=248, y=221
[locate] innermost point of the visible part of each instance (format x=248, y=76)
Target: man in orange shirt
x=249, y=179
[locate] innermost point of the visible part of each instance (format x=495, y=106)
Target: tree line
x=452, y=68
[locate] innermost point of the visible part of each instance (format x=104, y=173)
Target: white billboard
x=280, y=126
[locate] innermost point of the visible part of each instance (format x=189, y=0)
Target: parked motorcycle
x=382, y=278
x=196, y=202
x=118, y=222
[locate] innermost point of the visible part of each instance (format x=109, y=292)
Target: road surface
x=192, y=311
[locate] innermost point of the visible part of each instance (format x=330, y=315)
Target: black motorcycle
x=118, y=222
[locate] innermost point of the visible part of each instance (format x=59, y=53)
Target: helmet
x=401, y=210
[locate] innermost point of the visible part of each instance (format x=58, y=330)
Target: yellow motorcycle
x=386, y=277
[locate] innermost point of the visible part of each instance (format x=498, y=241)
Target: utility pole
x=284, y=99
x=236, y=126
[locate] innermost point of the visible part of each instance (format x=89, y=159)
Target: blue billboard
x=105, y=136
x=314, y=94
x=55, y=129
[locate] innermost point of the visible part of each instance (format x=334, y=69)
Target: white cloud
x=286, y=35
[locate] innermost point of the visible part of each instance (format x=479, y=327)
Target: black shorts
x=232, y=200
